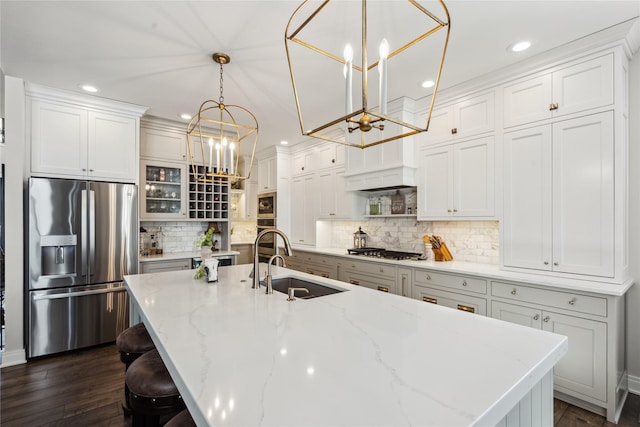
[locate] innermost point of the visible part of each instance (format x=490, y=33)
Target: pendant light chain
x=221, y=99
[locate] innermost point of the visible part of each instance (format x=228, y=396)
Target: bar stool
x=132, y=343
x=183, y=419
x=152, y=392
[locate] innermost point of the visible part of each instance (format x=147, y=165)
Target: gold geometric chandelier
x=215, y=135
x=313, y=30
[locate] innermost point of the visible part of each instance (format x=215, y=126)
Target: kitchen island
x=359, y=357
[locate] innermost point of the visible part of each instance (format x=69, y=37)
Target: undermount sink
x=282, y=284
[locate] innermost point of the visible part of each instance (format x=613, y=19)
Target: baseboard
x=14, y=357
x=634, y=384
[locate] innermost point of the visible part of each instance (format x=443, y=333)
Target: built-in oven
x=268, y=243
x=267, y=205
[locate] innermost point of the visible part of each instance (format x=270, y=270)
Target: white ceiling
x=158, y=53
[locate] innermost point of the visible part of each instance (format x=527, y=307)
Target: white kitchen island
x=360, y=357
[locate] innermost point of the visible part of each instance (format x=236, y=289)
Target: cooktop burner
x=383, y=253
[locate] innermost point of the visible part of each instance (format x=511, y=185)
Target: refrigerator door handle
x=92, y=231
x=83, y=231
x=76, y=294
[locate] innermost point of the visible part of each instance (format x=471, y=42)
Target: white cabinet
x=457, y=181
x=472, y=116
x=163, y=142
x=162, y=190
x=268, y=175
x=582, y=318
x=381, y=277
x=586, y=85
x=463, y=293
x=334, y=201
x=303, y=215
x=251, y=199
x=559, y=197
x=75, y=142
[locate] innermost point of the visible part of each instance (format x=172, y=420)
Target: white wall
x=633, y=297
x=14, y=184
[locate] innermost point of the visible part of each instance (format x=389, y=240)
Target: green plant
x=207, y=238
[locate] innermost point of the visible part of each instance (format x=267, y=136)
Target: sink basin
x=282, y=284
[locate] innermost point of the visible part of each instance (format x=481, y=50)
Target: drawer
x=564, y=300
x=373, y=282
x=462, y=283
x=329, y=271
x=372, y=268
x=317, y=259
x=169, y=265
x=453, y=300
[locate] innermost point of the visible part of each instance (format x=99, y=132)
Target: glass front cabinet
x=162, y=193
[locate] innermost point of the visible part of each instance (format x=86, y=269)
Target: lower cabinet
x=454, y=300
x=584, y=368
x=381, y=277
x=169, y=265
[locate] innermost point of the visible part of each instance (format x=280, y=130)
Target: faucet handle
x=291, y=292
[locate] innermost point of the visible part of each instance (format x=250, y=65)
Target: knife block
x=442, y=253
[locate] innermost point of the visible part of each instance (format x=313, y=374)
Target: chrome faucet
x=267, y=279
x=287, y=248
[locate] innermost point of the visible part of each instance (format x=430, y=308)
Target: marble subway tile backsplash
x=176, y=236
x=472, y=241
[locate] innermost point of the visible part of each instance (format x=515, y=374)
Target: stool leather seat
x=183, y=419
x=133, y=342
x=152, y=392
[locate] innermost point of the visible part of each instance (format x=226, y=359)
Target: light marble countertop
x=489, y=271
x=360, y=357
x=183, y=255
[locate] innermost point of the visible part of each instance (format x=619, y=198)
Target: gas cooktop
x=383, y=253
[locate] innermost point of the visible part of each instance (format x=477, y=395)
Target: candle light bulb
x=348, y=74
x=348, y=53
x=382, y=89
x=210, y=152
x=232, y=147
x=218, y=156
x=224, y=155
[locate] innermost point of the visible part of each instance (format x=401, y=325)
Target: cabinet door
x=440, y=126
x=163, y=144
x=583, y=195
x=513, y=313
x=251, y=193
x=527, y=198
x=303, y=221
x=584, y=368
x=112, y=147
x=451, y=299
x=58, y=140
x=584, y=86
x=473, y=168
x=527, y=101
x=434, y=197
x=473, y=116
x=164, y=191
x=267, y=178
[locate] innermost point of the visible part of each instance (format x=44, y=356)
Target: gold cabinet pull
x=536, y=317
x=428, y=277
x=464, y=283
x=572, y=301
x=466, y=308
x=325, y=275
x=513, y=292
x=546, y=319
x=553, y=106
x=431, y=300
x=454, y=131
x=354, y=282
x=546, y=263
x=383, y=289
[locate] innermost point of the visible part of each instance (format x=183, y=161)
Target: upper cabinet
x=75, y=136
x=457, y=181
x=465, y=118
x=268, y=174
x=565, y=90
x=162, y=141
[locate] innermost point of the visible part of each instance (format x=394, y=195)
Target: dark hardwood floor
x=85, y=388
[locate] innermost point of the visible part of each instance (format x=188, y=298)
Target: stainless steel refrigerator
x=82, y=240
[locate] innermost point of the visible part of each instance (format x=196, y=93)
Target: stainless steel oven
x=268, y=244
x=267, y=205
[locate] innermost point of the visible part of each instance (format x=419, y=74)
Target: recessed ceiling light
x=185, y=116
x=284, y=142
x=89, y=88
x=520, y=46
x=427, y=84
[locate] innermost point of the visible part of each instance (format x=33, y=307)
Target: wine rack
x=208, y=200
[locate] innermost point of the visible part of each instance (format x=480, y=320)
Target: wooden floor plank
x=85, y=388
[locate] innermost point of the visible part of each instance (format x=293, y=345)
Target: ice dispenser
x=58, y=255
